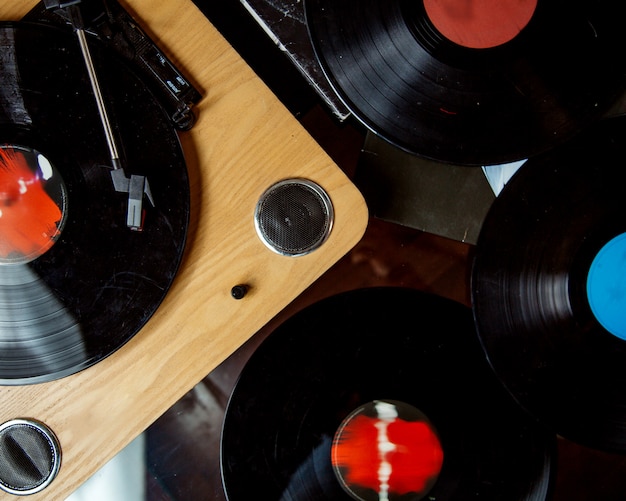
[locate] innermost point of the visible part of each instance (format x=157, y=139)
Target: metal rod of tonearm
x=136, y=186
x=95, y=85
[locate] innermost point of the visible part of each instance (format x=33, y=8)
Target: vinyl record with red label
x=549, y=287
x=379, y=393
x=76, y=281
x=472, y=82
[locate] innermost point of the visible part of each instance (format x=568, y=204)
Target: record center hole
x=33, y=201
x=384, y=449
x=606, y=286
x=480, y=24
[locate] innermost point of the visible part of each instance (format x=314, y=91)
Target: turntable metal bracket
x=112, y=24
x=136, y=186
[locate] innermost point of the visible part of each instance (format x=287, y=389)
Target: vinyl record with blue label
x=549, y=287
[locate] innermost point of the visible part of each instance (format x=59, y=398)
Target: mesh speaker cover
x=29, y=456
x=294, y=217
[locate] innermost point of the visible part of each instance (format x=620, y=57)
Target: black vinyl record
x=449, y=98
x=76, y=282
x=329, y=365
x=549, y=287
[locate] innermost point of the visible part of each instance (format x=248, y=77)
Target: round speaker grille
x=29, y=456
x=294, y=217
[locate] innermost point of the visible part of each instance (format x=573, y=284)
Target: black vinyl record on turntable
x=380, y=393
x=549, y=287
x=472, y=82
x=87, y=251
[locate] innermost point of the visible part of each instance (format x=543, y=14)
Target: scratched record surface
x=473, y=82
x=549, y=287
x=75, y=282
x=379, y=380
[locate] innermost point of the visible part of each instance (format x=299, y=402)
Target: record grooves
x=408, y=357
x=548, y=287
x=97, y=284
x=408, y=83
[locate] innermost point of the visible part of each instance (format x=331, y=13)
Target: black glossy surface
x=100, y=281
x=366, y=345
x=529, y=287
x=436, y=99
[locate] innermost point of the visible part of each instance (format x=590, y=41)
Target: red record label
x=31, y=214
x=480, y=24
x=386, y=449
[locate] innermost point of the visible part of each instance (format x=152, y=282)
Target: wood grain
x=243, y=142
